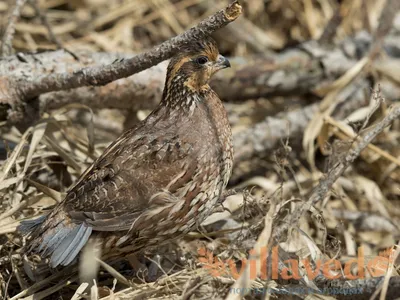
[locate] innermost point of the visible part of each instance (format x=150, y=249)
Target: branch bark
x=296, y=71
x=101, y=75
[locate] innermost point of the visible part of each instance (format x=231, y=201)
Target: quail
x=158, y=180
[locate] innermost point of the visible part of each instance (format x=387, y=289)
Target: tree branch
x=295, y=71
x=267, y=134
x=101, y=75
x=320, y=192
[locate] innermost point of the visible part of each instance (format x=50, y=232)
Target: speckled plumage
x=159, y=179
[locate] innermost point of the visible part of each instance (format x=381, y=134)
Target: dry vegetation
x=312, y=98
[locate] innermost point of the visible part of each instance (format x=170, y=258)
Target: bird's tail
x=55, y=237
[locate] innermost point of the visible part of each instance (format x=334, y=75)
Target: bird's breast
x=211, y=135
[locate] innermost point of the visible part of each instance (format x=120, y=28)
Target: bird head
x=194, y=65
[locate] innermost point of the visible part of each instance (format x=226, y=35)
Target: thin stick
x=102, y=75
x=52, y=37
x=6, y=42
x=326, y=183
x=331, y=27
x=349, y=134
x=51, y=290
x=68, y=271
x=385, y=285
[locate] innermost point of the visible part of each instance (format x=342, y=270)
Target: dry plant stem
x=192, y=286
x=331, y=27
x=385, y=285
x=101, y=75
x=244, y=282
x=68, y=271
x=326, y=183
x=267, y=134
x=345, y=133
x=51, y=290
x=13, y=210
x=45, y=22
x=6, y=42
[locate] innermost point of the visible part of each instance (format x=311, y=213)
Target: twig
x=193, y=286
x=326, y=183
x=51, y=290
x=267, y=134
x=45, y=22
x=80, y=291
x=102, y=75
x=68, y=272
x=348, y=134
x=6, y=42
x=331, y=27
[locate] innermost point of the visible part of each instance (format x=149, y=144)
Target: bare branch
x=101, y=75
x=266, y=134
x=327, y=182
x=6, y=42
x=295, y=71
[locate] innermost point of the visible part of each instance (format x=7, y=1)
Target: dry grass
x=38, y=166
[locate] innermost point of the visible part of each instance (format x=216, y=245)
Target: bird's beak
x=222, y=62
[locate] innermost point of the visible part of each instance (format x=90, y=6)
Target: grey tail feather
x=62, y=242
x=29, y=225
x=66, y=246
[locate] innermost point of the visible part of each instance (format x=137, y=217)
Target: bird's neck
x=180, y=94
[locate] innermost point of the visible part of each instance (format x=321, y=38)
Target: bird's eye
x=201, y=60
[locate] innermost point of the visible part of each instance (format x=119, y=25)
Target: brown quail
x=158, y=179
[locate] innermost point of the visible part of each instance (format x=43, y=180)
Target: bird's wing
x=135, y=176
x=117, y=189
